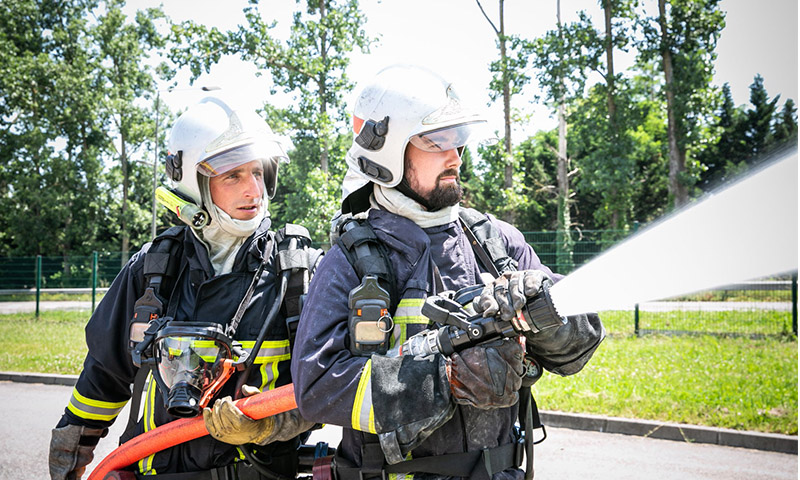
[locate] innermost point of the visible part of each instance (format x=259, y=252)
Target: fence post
x=794, y=304
x=94, y=279
x=38, y=281
x=636, y=319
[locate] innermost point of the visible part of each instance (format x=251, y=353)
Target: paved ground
x=32, y=409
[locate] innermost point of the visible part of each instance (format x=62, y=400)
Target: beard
x=445, y=195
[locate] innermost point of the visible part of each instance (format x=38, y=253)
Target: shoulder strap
x=163, y=259
x=296, y=255
x=162, y=263
x=487, y=243
x=368, y=255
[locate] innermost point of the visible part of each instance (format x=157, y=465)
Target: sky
x=454, y=38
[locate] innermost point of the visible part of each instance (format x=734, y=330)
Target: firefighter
x=433, y=415
x=189, y=308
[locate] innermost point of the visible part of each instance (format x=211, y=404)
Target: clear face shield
x=270, y=153
x=452, y=137
x=191, y=361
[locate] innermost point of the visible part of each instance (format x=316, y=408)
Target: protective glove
x=72, y=449
x=228, y=424
x=508, y=294
x=487, y=376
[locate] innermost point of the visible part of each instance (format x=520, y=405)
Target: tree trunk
x=564, y=239
x=611, y=102
x=124, y=216
x=508, y=182
x=610, y=80
x=509, y=170
x=677, y=158
x=323, y=107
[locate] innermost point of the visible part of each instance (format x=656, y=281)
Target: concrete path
x=32, y=410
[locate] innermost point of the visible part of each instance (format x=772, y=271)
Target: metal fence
x=755, y=309
x=763, y=308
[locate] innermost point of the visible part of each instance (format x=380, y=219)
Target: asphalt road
x=31, y=410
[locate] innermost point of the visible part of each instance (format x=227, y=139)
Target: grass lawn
x=731, y=382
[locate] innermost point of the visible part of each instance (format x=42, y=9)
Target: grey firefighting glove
x=72, y=449
x=228, y=424
x=487, y=376
x=509, y=293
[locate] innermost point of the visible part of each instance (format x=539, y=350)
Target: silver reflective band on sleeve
x=363, y=416
x=409, y=312
x=90, y=409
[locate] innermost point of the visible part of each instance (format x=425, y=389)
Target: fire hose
x=258, y=406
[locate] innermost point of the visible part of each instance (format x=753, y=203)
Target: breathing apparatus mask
x=190, y=362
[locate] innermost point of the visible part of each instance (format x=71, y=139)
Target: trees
x=311, y=67
x=122, y=47
x=50, y=144
x=682, y=38
x=743, y=136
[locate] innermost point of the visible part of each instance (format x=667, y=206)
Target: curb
x=770, y=442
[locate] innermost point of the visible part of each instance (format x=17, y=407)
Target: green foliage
x=310, y=66
x=620, y=181
x=69, y=85
x=563, y=57
x=741, y=137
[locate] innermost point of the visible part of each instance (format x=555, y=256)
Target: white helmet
x=211, y=138
x=402, y=104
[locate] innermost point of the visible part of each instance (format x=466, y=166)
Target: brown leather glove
x=487, y=376
x=228, y=424
x=72, y=449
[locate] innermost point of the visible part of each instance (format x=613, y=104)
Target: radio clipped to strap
x=374, y=300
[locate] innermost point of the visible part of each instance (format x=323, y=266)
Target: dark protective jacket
x=104, y=385
x=406, y=401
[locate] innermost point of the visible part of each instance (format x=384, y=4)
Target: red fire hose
x=258, y=406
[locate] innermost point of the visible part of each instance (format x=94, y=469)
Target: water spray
x=745, y=231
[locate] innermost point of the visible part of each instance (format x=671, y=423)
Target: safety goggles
x=450, y=137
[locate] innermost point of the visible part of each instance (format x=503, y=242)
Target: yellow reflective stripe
x=269, y=375
x=270, y=351
x=148, y=419
x=91, y=409
x=363, y=416
x=409, y=312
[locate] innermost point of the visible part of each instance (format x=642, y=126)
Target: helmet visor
x=230, y=159
x=450, y=137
